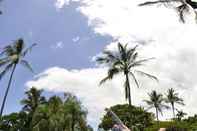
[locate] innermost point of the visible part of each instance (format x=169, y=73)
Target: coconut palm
x=180, y=114
x=181, y=6
x=172, y=98
x=156, y=101
x=10, y=57
x=124, y=61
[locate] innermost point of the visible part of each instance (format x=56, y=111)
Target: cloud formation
x=160, y=35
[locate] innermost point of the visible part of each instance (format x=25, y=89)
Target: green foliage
x=168, y=125
x=131, y=116
x=54, y=114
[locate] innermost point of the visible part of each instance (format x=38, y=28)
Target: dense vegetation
x=133, y=117
x=41, y=114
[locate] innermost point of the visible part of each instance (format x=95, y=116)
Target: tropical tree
x=181, y=6
x=49, y=116
x=156, y=101
x=172, y=98
x=76, y=114
x=10, y=57
x=180, y=114
x=124, y=61
x=14, y=122
x=60, y=115
x=33, y=99
x=131, y=116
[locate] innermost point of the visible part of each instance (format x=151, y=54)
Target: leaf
x=136, y=82
x=111, y=73
x=27, y=65
x=6, y=69
x=148, y=75
x=4, y=61
x=28, y=49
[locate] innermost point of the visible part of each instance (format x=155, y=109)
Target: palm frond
x=8, y=50
x=147, y=74
x=158, y=2
x=102, y=60
x=27, y=65
x=181, y=9
x=28, y=49
x=131, y=51
x=144, y=60
x=122, y=52
x=6, y=69
x=109, y=54
x=136, y=82
x=4, y=61
x=111, y=72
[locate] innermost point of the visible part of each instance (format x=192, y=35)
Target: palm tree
x=172, y=98
x=33, y=100
x=180, y=114
x=75, y=114
x=30, y=104
x=124, y=61
x=183, y=6
x=10, y=57
x=49, y=116
x=156, y=101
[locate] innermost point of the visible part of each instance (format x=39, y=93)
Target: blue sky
x=69, y=33
x=40, y=22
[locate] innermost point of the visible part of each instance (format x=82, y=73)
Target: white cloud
x=171, y=42
x=59, y=4
x=76, y=39
x=58, y=45
x=84, y=84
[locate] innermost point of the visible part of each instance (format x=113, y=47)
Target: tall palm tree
x=124, y=61
x=156, y=101
x=181, y=6
x=172, y=98
x=10, y=57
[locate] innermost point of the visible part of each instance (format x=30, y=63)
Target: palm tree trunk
x=173, y=110
x=128, y=88
x=157, y=117
x=7, y=90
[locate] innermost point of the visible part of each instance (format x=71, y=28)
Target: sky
x=71, y=33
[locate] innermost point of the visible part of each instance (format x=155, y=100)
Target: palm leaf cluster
x=181, y=6
x=124, y=61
